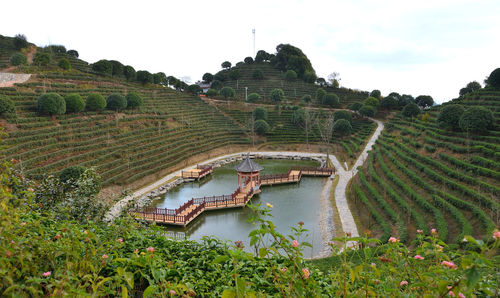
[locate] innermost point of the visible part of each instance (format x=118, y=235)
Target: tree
x=248, y=60
x=261, y=56
x=320, y=92
x=258, y=74
x=367, y=111
x=334, y=79
x=306, y=98
x=331, y=99
x=116, y=102
x=376, y=93
x=144, y=77
x=41, y=59
x=234, y=74
x=64, y=64
x=476, y=120
x=211, y=92
x=103, y=66
x=220, y=76
x=216, y=84
x=95, y=102
x=290, y=57
x=129, y=73
x=51, y=104
x=18, y=59
x=160, y=78
x=389, y=103
x=337, y=115
x=493, y=79
x=342, y=127
x=424, y=101
x=321, y=82
x=117, y=68
x=473, y=86
x=7, y=106
x=325, y=127
x=227, y=92
x=277, y=95
x=310, y=77
x=355, y=106
x=74, y=103
x=208, y=77
x=260, y=113
x=449, y=116
x=261, y=127
x=306, y=120
x=20, y=41
x=73, y=53
x=134, y=100
x=71, y=173
x=194, y=89
x=253, y=97
x=371, y=101
x=226, y=65
x=290, y=75
x=411, y=110
x=405, y=99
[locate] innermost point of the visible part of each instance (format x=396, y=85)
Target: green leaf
x=221, y=259
x=227, y=294
x=124, y=292
x=472, y=276
x=470, y=239
x=240, y=286
x=262, y=252
x=149, y=291
x=129, y=278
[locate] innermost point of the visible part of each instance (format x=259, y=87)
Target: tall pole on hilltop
x=253, y=32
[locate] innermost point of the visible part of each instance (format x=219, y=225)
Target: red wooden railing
x=204, y=169
x=313, y=169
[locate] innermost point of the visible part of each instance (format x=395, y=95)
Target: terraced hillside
x=420, y=177
x=126, y=146
x=273, y=78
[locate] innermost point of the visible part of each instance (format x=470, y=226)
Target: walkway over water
x=186, y=213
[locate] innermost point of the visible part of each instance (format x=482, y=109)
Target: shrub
x=367, y=111
x=20, y=41
x=449, y=116
x=129, y=73
x=95, y=102
x=424, y=101
x=277, y=95
x=41, y=59
x=476, y=120
x=290, y=75
x=71, y=173
x=371, y=101
x=216, y=84
x=74, y=103
x=116, y=102
x=226, y=65
x=320, y=92
x=331, y=99
x=253, y=97
x=144, y=77
x=73, y=53
x=227, y=92
x=493, y=79
x=51, y=104
x=260, y=113
x=103, y=66
x=160, y=78
x=258, y=74
x=411, y=110
x=208, y=77
x=211, y=92
x=117, y=68
x=220, y=76
x=234, y=74
x=355, y=106
x=306, y=98
x=7, y=106
x=248, y=60
x=376, y=94
x=261, y=127
x=64, y=64
x=134, y=100
x=337, y=115
x=18, y=59
x=389, y=102
x=342, y=127
x=310, y=77
x=194, y=89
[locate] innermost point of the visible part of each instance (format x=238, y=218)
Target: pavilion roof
x=248, y=166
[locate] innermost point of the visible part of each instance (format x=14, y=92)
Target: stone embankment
x=8, y=79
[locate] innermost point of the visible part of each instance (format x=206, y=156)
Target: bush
x=290, y=75
x=253, y=97
x=424, y=101
x=116, y=102
x=160, y=78
x=227, y=92
x=144, y=77
x=261, y=127
x=493, y=79
x=129, y=73
x=355, y=106
x=134, y=100
x=71, y=173
x=306, y=98
x=389, y=102
x=7, y=106
x=260, y=113
x=212, y=92
x=18, y=59
x=367, y=110
x=449, y=116
x=476, y=120
x=51, y=104
x=208, y=77
x=310, y=77
x=95, y=102
x=73, y=53
x=41, y=59
x=74, y=103
x=248, y=60
x=331, y=99
x=342, y=127
x=103, y=67
x=220, y=76
x=376, y=94
x=320, y=92
x=226, y=64
x=337, y=115
x=277, y=95
x=64, y=64
x=371, y=101
x=117, y=68
x=258, y=74
x=411, y=110
x=20, y=41
x=234, y=74
x=216, y=84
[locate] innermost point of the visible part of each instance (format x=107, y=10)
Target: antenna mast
x=253, y=32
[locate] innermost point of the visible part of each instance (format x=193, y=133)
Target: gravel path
x=8, y=79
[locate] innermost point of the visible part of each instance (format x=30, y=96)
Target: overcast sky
x=413, y=47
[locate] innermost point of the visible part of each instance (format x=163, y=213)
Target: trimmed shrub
x=234, y=74
x=411, y=110
x=116, y=102
x=253, y=97
x=355, y=106
x=476, y=120
x=367, y=111
x=103, y=66
x=134, y=100
x=144, y=77
x=261, y=127
x=277, y=95
x=216, y=84
x=208, y=77
x=248, y=60
x=376, y=94
x=306, y=98
x=493, y=79
x=71, y=173
x=18, y=59
x=226, y=64
x=424, y=101
x=342, y=127
x=64, y=64
x=371, y=101
x=211, y=92
x=227, y=92
x=7, y=106
x=51, y=104
x=449, y=116
x=389, y=103
x=129, y=73
x=260, y=113
x=41, y=59
x=73, y=53
x=320, y=92
x=310, y=77
x=74, y=103
x=258, y=74
x=290, y=75
x=95, y=102
x=117, y=68
x=342, y=115
x=220, y=76
x=331, y=99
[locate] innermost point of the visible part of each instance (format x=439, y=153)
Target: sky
x=410, y=47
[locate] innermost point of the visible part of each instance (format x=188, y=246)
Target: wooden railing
x=194, y=175
x=313, y=169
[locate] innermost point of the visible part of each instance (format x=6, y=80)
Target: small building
x=248, y=174
x=204, y=86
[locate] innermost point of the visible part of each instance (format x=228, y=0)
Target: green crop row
x=476, y=170
x=484, y=162
x=386, y=229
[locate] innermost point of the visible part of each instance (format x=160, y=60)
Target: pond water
x=292, y=203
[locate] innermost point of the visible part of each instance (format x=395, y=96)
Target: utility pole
x=253, y=32
x=246, y=94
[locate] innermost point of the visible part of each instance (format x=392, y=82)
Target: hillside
x=420, y=177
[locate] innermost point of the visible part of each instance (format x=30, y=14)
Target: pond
x=292, y=203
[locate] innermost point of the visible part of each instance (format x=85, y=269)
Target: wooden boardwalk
x=197, y=173
x=186, y=213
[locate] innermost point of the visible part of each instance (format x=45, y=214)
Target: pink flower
x=439, y=248
x=496, y=235
x=150, y=249
x=418, y=257
x=48, y=273
x=403, y=283
x=434, y=232
x=105, y=256
x=172, y=292
x=451, y=293
x=373, y=264
x=295, y=243
x=283, y=269
x=420, y=231
x=120, y=240
x=306, y=273
x=461, y=295
x=393, y=240
x=449, y=264
x=23, y=223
